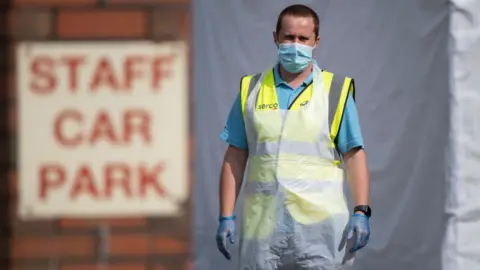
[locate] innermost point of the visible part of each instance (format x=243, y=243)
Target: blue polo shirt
x=349, y=136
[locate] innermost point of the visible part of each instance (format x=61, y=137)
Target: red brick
x=4, y=83
x=30, y=266
x=169, y=245
x=12, y=208
x=169, y=23
x=143, y=244
x=94, y=223
x=109, y=267
x=147, y=2
x=11, y=84
x=52, y=246
x=30, y=24
x=22, y=228
x=185, y=26
x=12, y=117
x=49, y=3
x=129, y=244
x=167, y=264
x=188, y=265
x=13, y=183
x=4, y=23
x=12, y=56
x=102, y=24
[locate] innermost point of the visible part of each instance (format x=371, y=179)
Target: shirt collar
x=279, y=81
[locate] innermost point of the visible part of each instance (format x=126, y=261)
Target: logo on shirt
x=303, y=104
x=273, y=106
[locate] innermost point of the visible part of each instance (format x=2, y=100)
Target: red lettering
x=70, y=128
x=161, y=69
x=84, y=183
x=72, y=63
x=104, y=75
x=59, y=129
x=149, y=179
x=103, y=129
x=130, y=72
x=117, y=174
x=136, y=121
x=115, y=179
x=50, y=176
x=43, y=78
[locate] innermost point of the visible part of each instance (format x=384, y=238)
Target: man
x=294, y=123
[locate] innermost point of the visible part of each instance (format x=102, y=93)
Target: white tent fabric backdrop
x=424, y=195
x=462, y=243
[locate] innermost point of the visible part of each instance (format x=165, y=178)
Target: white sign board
x=103, y=129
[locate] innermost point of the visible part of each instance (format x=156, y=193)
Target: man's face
x=297, y=30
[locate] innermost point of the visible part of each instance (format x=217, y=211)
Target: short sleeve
x=234, y=132
x=349, y=135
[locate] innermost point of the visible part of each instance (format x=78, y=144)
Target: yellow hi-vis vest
x=338, y=87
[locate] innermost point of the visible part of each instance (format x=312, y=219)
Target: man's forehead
x=295, y=24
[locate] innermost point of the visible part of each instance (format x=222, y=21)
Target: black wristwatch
x=363, y=208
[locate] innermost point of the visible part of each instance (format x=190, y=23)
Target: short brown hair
x=299, y=11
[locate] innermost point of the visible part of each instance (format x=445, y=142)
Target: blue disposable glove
x=226, y=229
x=359, y=226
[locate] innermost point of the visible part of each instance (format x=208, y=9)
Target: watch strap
x=363, y=208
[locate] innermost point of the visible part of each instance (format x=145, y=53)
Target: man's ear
x=317, y=40
x=275, y=38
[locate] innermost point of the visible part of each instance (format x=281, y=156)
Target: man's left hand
x=360, y=227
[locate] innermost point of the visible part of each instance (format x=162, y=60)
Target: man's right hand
x=226, y=229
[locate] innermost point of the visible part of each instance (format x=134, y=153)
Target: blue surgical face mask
x=294, y=57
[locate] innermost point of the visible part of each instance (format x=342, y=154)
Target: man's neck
x=295, y=80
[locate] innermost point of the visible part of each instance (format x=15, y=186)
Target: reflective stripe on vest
x=338, y=88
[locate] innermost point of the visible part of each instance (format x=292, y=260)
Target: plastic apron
x=295, y=212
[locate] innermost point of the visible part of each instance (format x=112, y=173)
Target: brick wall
x=67, y=244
